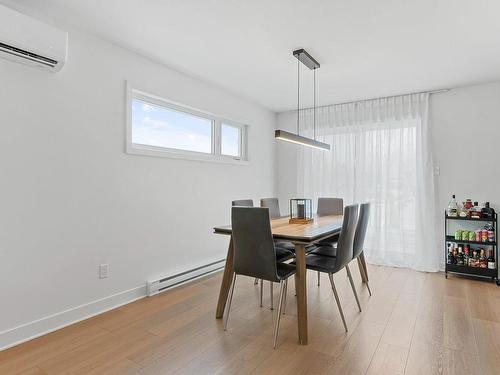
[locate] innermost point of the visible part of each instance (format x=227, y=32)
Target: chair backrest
x=242, y=203
x=346, y=237
x=330, y=206
x=273, y=205
x=254, y=252
x=362, y=225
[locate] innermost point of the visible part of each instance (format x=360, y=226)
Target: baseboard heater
x=159, y=285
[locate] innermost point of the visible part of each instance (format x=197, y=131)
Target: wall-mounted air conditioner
x=26, y=40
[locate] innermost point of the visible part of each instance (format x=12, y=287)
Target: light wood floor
x=415, y=323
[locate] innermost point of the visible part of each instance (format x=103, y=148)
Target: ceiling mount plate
x=306, y=59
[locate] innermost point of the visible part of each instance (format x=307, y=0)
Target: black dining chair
x=359, y=239
x=242, y=203
x=282, y=254
x=255, y=254
x=328, y=206
x=275, y=213
x=332, y=265
x=358, y=246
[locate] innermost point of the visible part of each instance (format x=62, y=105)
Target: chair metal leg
x=278, y=315
x=230, y=300
x=256, y=281
x=364, y=276
x=337, y=299
x=261, y=291
x=352, y=286
x=318, y=278
x=284, y=297
x=368, y=286
x=271, y=289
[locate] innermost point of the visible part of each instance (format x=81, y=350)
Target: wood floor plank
x=458, y=333
x=414, y=323
x=487, y=338
x=388, y=360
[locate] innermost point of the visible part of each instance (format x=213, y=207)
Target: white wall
x=465, y=125
x=465, y=129
x=71, y=198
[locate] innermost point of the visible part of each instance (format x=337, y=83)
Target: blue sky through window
x=163, y=127
x=230, y=140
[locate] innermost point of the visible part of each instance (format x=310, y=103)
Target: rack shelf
x=470, y=218
x=466, y=270
x=452, y=239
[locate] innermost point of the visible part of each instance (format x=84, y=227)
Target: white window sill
x=184, y=155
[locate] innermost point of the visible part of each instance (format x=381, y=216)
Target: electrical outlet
x=103, y=271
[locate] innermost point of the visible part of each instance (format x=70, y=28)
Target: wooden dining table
x=301, y=235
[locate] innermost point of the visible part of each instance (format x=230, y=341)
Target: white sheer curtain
x=380, y=154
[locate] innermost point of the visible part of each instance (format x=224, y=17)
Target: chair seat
x=291, y=246
x=282, y=255
x=286, y=245
x=285, y=270
x=321, y=263
x=327, y=251
x=329, y=241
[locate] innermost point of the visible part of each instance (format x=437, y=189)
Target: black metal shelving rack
x=466, y=270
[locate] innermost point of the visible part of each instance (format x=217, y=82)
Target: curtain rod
x=376, y=98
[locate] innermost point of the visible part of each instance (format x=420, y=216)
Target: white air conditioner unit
x=29, y=41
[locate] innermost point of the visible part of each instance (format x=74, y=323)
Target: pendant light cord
x=314, y=106
x=298, y=93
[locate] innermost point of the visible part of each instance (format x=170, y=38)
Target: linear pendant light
x=283, y=135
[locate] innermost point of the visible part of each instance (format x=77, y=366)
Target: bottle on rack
x=466, y=255
x=487, y=212
x=450, y=258
x=462, y=211
x=460, y=257
x=491, y=260
x=483, y=262
x=468, y=204
x=452, y=207
x=475, y=211
x=472, y=260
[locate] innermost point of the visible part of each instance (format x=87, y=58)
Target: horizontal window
x=159, y=127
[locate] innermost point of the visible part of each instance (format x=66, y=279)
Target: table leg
x=300, y=289
x=227, y=279
x=362, y=263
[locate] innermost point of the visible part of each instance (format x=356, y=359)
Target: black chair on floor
x=289, y=247
x=332, y=265
x=359, y=240
x=282, y=254
x=328, y=206
x=242, y=203
x=255, y=254
x=274, y=213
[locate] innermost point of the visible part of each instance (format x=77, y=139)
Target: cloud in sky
x=155, y=124
x=148, y=108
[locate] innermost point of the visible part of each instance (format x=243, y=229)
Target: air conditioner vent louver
x=27, y=55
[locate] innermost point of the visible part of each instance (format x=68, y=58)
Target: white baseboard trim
x=28, y=331
x=31, y=330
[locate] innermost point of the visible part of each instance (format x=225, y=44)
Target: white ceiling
x=366, y=48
